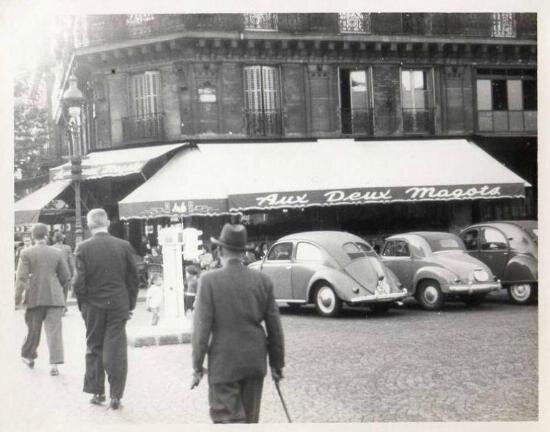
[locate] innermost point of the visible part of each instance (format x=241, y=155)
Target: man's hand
x=277, y=374
x=197, y=376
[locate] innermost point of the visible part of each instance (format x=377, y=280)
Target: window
x=503, y=25
x=261, y=21
x=146, y=119
x=416, y=101
x=471, y=239
x=280, y=252
x=262, y=100
x=355, y=102
x=492, y=239
x=396, y=248
x=506, y=100
x=389, y=249
x=308, y=252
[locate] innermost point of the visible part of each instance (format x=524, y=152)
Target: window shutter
x=270, y=88
x=145, y=89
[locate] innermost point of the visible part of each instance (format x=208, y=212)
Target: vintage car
x=509, y=248
x=328, y=269
x=435, y=265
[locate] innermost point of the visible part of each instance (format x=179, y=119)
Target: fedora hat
x=233, y=236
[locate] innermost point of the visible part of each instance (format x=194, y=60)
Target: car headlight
x=481, y=275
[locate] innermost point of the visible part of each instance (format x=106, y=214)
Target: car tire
x=380, y=307
x=474, y=299
x=327, y=302
x=429, y=295
x=521, y=294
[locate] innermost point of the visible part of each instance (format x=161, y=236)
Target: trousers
x=106, y=349
x=236, y=402
x=51, y=317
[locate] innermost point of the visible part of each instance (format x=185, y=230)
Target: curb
x=159, y=340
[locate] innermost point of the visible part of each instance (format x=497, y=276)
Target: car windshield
x=445, y=243
x=358, y=250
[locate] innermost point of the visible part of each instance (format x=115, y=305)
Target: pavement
x=409, y=365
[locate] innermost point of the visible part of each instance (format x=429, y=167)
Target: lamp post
x=73, y=99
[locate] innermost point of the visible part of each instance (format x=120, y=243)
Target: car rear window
x=438, y=244
x=358, y=250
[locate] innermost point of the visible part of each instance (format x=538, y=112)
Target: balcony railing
x=150, y=127
x=418, y=120
x=507, y=121
x=357, y=121
x=261, y=21
x=263, y=123
x=354, y=23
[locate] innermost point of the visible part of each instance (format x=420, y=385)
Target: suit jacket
x=106, y=273
x=43, y=275
x=67, y=254
x=231, y=305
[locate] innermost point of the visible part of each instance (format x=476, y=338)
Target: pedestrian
x=232, y=303
x=106, y=287
x=154, y=297
x=42, y=277
x=58, y=242
x=191, y=278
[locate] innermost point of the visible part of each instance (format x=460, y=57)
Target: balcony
x=261, y=22
x=357, y=121
x=507, y=121
x=354, y=23
x=143, y=128
x=418, y=121
x=263, y=122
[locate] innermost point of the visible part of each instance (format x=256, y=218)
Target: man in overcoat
x=231, y=305
x=106, y=287
x=42, y=276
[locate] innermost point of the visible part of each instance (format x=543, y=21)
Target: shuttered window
x=262, y=100
x=145, y=94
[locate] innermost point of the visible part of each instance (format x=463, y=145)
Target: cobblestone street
x=477, y=364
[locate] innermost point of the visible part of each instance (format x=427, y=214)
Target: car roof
x=525, y=224
x=424, y=234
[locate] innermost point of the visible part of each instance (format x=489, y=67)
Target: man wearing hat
x=232, y=302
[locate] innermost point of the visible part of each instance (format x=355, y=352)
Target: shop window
x=416, y=95
x=146, y=119
x=308, y=252
x=356, y=102
x=506, y=100
x=262, y=101
x=280, y=252
x=492, y=239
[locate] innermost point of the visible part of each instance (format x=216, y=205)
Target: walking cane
x=282, y=400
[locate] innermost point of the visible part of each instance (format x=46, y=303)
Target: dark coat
x=231, y=305
x=106, y=273
x=43, y=275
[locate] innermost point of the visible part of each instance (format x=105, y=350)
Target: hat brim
x=228, y=246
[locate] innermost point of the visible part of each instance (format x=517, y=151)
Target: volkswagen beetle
x=328, y=269
x=509, y=248
x=435, y=265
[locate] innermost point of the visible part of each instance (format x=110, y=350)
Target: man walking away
x=232, y=302
x=42, y=275
x=106, y=287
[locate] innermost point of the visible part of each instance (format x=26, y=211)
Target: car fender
x=440, y=274
x=341, y=283
x=521, y=268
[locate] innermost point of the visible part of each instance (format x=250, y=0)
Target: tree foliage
x=31, y=125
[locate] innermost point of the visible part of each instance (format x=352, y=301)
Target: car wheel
x=327, y=302
x=380, y=307
x=474, y=299
x=429, y=295
x=521, y=294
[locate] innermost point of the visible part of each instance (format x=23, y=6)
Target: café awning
x=114, y=163
x=27, y=209
x=262, y=176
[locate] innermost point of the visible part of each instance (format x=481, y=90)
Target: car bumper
x=378, y=298
x=472, y=288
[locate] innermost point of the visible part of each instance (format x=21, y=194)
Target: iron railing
x=357, y=121
x=263, y=122
x=143, y=127
x=354, y=22
x=417, y=120
x=507, y=121
x=260, y=21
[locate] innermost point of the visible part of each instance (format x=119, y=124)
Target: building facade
x=153, y=79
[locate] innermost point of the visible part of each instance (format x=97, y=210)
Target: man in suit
x=106, y=287
x=42, y=275
x=232, y=302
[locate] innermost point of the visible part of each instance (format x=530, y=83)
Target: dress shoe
x=115, y=403
x=54, y=371
x=28, y=362
x=98, y=399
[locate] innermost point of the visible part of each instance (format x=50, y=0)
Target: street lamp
x=73, y=99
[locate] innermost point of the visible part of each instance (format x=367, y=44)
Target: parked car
x=509, y=248
x=328, y=269
x=435, y=265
